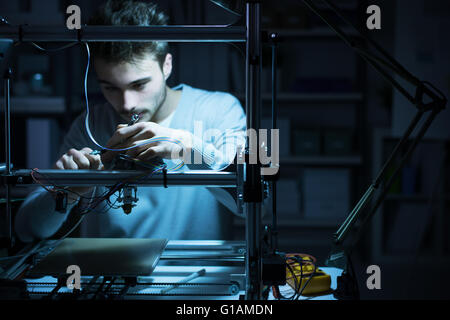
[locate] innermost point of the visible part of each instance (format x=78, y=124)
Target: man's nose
x=129, y=101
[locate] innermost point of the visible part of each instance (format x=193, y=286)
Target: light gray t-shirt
x=216, y=118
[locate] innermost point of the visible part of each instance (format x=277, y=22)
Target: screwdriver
x=195, y=275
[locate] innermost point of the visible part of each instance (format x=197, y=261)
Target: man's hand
x=75, y=160
x=128, y=136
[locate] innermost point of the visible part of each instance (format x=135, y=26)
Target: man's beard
x=161, y=101
x=147, y=114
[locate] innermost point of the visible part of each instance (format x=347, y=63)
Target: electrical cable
x=291, y=261
x=93, y=201
x=296, y=282
x=159, y=139
x=145, y=142
x=56, y=189
x=100, y=199
x=63, y=237
x=116, y=187
x=276, y=290
x=88, y=130
x=301, y=260
x=307, y=282
x=53, y=49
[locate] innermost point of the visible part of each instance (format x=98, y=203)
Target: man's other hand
x=76, y=160
x=130, y=136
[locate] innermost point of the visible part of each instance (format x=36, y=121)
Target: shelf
x=340, y=4
x=405, y=214
x=413, y=197
x=322, y=160
x=37, y=105
x=310, y=97
x=326, y=32
x=295, y=223
x=407, y=197
x=423, y=260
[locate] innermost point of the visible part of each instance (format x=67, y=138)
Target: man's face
x=134, y=87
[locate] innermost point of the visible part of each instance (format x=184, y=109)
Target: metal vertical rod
x=252, y=180
x=8, y=226
x=253, y=258
x=7, y=78
x=274, y=126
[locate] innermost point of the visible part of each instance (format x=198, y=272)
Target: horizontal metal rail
x=186, y=33
x=136, y=178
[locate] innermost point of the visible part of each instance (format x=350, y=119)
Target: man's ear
x=167, y=66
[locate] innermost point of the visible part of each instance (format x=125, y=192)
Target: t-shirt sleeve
x=224, y=134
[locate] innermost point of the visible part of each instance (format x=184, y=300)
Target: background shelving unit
x=412, y=223
x=38, y=95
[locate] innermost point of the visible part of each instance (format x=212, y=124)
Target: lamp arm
x=386, y=189
x=383, y=63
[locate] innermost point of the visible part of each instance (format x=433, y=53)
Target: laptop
x=102, y=257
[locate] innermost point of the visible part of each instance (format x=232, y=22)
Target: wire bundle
x=148, y=141
x=93, y=202
x=297, y=261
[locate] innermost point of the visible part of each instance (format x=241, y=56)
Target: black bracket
x=164, y=177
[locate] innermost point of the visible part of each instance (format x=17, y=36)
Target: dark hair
x=129, y=12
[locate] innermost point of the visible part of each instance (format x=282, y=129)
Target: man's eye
x=139, y=86
x=110, y=88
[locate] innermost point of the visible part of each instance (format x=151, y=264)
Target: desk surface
x=224, y=277
x=214, y=285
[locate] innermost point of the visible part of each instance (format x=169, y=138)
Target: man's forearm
x=199, y=154
x=37, y=218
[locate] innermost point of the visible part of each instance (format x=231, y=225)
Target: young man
x=133, y=79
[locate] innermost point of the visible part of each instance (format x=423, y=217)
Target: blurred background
x=338, y=122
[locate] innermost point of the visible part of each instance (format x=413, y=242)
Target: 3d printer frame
x=250, y=181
